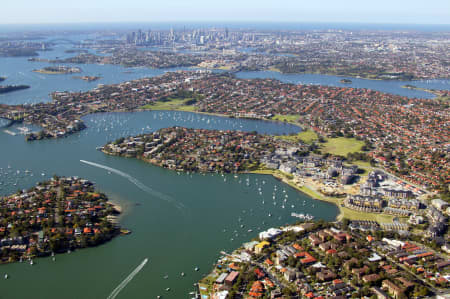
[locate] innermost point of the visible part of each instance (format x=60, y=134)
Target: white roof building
x=270, y=233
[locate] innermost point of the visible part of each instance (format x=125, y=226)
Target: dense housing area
x=54, y=216
x=322, y=260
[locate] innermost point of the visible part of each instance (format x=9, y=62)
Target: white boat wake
x=138, y=184
x=124, y=283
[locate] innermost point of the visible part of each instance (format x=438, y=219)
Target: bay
x=19, y=70
x=177, y=220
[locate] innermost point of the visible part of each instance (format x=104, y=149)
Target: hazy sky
x=366, y=11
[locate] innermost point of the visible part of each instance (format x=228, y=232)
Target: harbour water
x=179, y=221
x=388, y=86
x=18, y=70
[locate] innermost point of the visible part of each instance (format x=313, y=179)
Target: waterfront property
x=364, y=114
x=323, y=260
x=54, y=216
x=200, y=150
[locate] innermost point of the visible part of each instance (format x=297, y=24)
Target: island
x=409, y=86
x=327, y=260
x=56, y=70
x=346, y=81
x=10, y=88
x=55, y=216
x=87, y=78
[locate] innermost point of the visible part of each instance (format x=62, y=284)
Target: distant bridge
x=63, y=41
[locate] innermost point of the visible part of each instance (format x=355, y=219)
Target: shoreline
x=306, y=189
x=37, y=239
x=51, y=73
x=276, y=70
x=221, y=115
x=116, y=206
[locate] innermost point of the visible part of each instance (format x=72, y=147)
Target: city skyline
x=383, y=11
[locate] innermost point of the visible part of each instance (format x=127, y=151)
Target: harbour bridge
x=63, y=41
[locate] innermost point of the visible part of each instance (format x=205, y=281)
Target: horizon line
x=227, y=21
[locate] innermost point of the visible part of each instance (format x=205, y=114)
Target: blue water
x=175, y=240
x=394, y=87
x=18, y=70
x=178, y=221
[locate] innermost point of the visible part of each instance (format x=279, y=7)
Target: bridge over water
x=63, y=41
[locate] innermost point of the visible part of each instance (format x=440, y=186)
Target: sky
x=111, y=11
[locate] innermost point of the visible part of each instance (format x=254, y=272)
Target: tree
x=345, y=223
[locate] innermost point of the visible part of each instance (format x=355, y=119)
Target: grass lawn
x=224, y=67
x=291, y=118
x=342, y=146
x=274, y=69
x=307, y=136
x=356, y=215
x=171, y=104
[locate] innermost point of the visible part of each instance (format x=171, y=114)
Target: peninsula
x=199, y=150
x=443, y=95
x=384, y=122
x=10, y=88
x=55, y=216
x=376, y=196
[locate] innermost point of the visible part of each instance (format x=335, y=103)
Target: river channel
x=179, y=221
